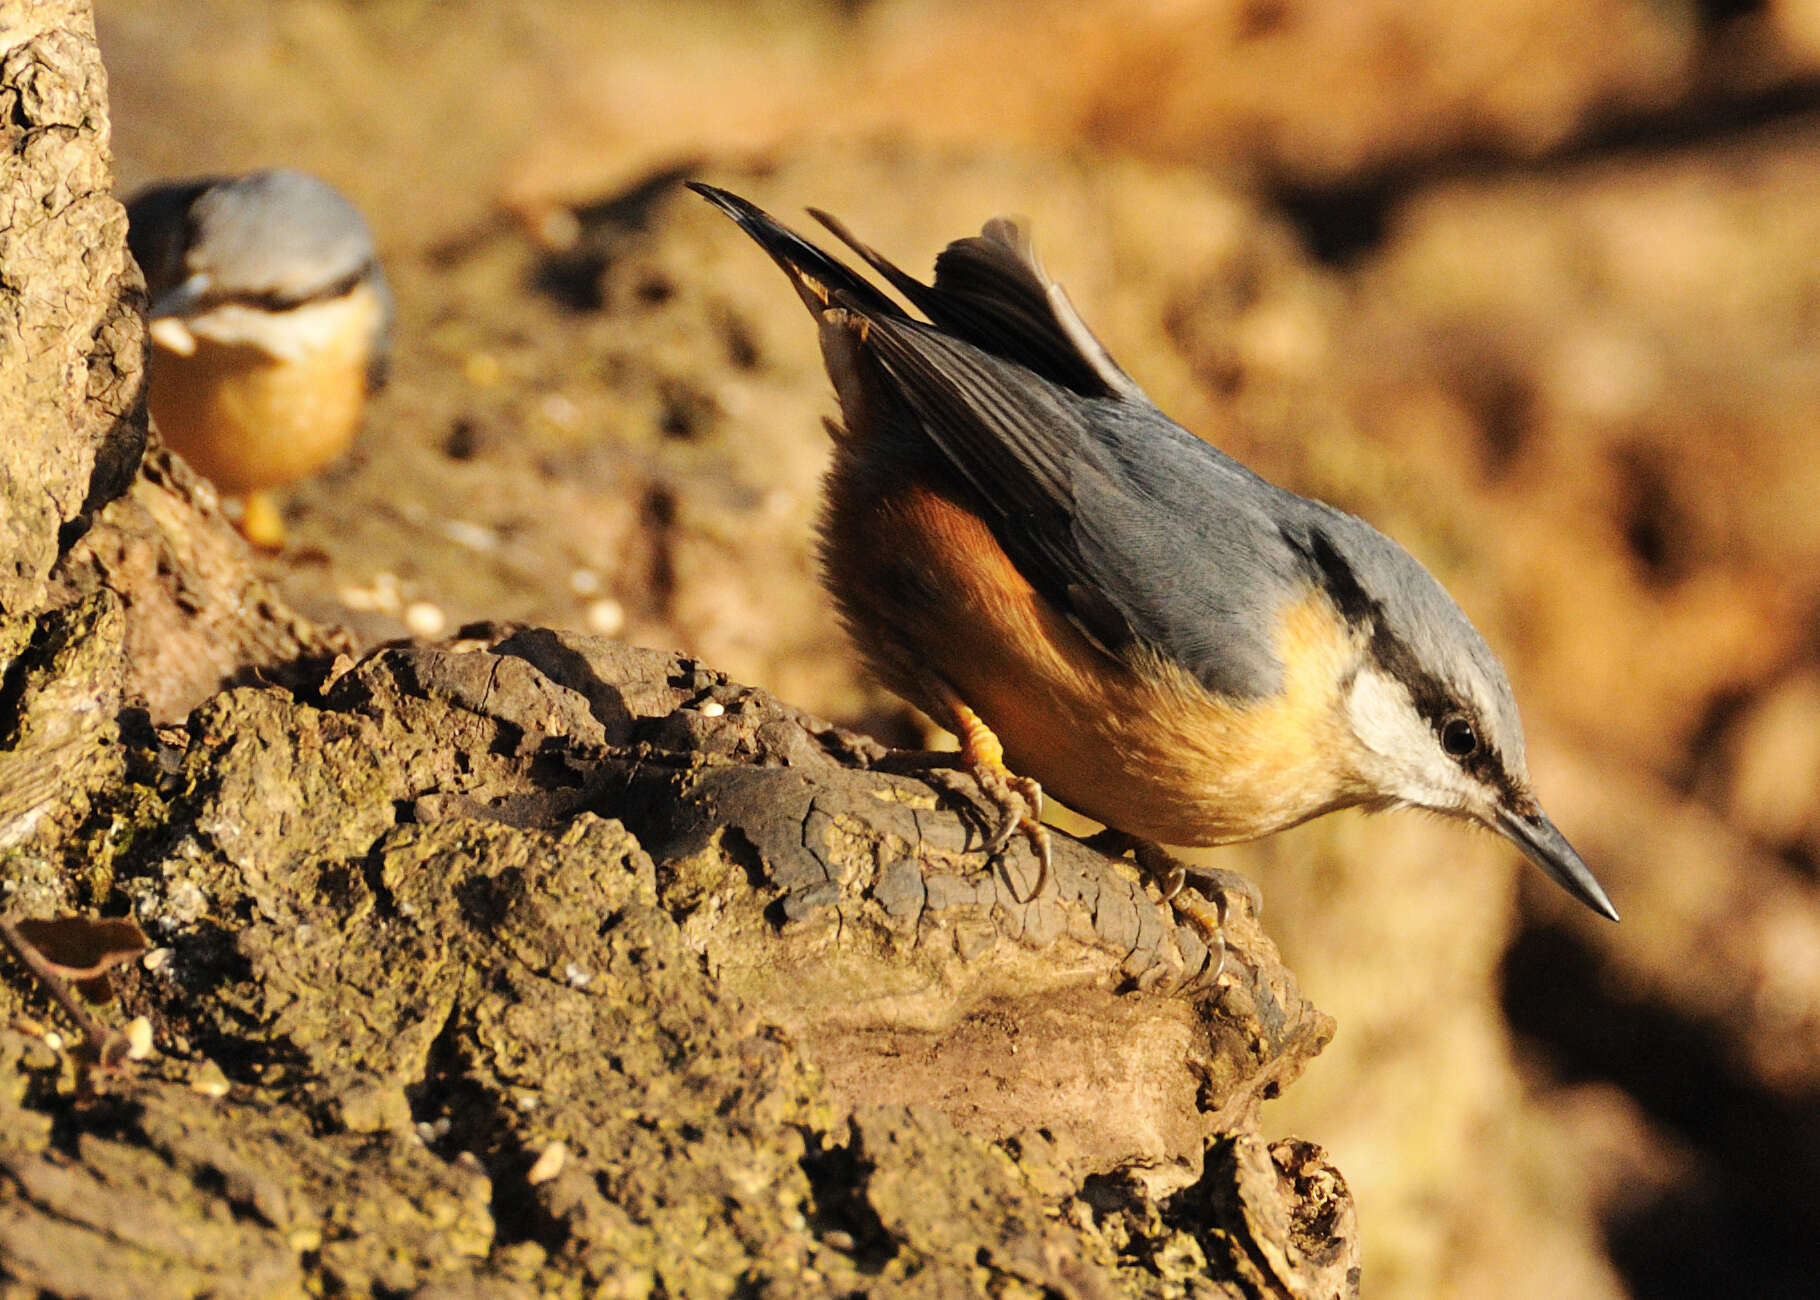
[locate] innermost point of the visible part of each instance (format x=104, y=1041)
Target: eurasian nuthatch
x=1022, y=545
x=271, y=319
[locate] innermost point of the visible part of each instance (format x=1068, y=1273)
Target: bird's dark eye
x=1458, y=738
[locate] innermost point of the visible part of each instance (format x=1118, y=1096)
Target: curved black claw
x=1019, y=801
x=1217, y=880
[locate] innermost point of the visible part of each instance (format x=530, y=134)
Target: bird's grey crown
x=275, y=239
x=278, y=232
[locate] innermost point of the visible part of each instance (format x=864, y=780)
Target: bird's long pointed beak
x=1545, y=846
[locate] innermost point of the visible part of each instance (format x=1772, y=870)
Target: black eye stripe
x=274, y=301
x=1433, y=701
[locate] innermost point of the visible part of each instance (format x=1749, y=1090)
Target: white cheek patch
x=292, y=335
x=1385, y=718
x=1403, y=756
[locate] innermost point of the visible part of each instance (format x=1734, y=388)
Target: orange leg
x=261, y=521
x=1018, y=798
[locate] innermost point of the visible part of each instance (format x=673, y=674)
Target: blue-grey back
x=1186, y=543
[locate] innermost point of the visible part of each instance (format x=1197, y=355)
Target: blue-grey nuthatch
x=270, y=318
x=1022, y=545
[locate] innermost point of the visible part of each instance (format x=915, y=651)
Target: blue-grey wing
x=1151, y=540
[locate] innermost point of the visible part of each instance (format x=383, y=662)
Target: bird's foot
x=1205, y=906
x=1018, y=799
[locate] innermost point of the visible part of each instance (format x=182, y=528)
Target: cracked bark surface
x=464, y=902
x=538, y=964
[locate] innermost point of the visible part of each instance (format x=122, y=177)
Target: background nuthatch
x=1090, y=597
x=270, y=317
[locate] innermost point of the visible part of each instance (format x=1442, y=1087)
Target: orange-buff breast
x=248, y=420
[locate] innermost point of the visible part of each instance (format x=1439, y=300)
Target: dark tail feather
x=921, y=295
x=991, y=291
x=818, y=279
